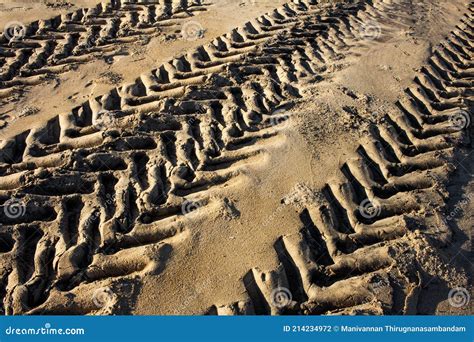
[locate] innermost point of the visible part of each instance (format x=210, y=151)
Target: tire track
x=57, y=45
x=357, y=252
x=104, y=189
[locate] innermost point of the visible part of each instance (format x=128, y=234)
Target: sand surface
x=236, y=157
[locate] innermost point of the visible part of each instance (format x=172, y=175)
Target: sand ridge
x=125, y=201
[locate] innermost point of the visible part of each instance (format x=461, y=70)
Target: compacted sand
x=236, y=157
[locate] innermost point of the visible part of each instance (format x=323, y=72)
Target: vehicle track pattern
x=104, y=192
x=350, y=256
x=57, y=45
